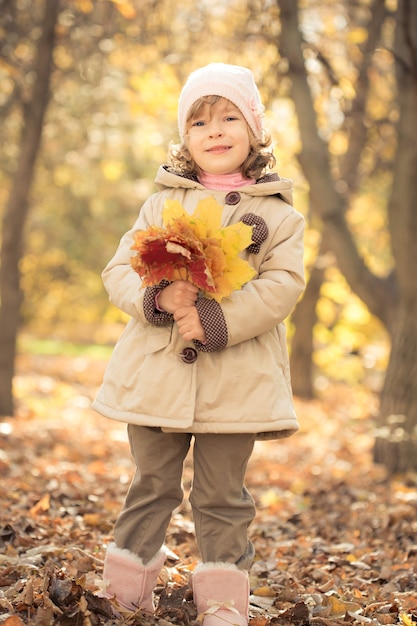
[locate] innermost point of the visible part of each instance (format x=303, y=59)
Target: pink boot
x=129, y=580
x=221, y=594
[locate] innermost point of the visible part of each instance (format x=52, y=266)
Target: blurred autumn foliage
x=337, y=79
x=118, y=72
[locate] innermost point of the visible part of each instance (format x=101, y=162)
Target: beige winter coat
x=239, y=381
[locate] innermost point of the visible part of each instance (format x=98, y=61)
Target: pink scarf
x=224, y=182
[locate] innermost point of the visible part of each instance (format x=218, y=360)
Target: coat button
x=233, y=197
x=189, y=355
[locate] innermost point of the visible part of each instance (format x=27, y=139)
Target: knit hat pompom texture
x=233, y=82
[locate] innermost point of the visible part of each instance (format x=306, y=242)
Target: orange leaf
x=264, y=592
x=259, y=621
x=42, y=506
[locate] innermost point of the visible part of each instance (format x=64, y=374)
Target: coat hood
x=269, y=185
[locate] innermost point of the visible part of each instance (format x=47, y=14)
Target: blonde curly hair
x=259, y=158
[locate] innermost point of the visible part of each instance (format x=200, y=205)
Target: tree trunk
x=304, y=318
x=396, y=442
x=17, y=207
x=396, y=439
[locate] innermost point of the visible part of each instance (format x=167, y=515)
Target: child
x=189, y=368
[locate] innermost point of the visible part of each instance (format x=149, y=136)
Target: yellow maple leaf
x=172, y=211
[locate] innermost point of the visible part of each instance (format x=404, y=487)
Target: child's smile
x=219, y=149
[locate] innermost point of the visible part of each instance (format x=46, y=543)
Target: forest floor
x=336, y=540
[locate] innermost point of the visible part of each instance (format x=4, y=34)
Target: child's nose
x=215, y=129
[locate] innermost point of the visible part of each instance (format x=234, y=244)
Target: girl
x=188, y=368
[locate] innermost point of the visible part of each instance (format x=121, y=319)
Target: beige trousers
x=222, y=506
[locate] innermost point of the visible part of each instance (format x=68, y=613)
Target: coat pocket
x=157, y=338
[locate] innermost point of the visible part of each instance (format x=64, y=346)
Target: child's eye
x=197, y=123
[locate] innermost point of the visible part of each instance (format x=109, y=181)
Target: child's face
x=218, y=138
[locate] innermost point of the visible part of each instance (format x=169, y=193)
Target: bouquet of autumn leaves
x=195, y=248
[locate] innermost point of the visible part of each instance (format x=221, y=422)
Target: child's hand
x=189, y=324
x=178, y=294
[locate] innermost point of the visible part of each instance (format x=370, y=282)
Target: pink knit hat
x=233, y=82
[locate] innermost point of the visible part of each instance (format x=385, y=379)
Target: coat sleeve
x=265, y=301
